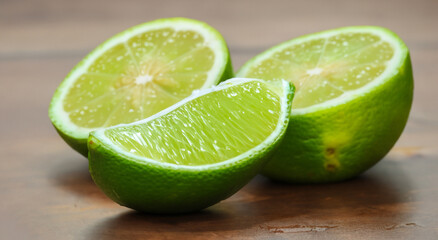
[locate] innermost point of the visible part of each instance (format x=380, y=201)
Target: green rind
x=303, y=155
x=228, y=73
x=79, y=143
x=156, y=188
x=141, y=187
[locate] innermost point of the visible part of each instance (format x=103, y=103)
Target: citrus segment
x=195, y=153
x=207, y=126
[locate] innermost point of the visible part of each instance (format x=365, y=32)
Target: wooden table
x=46, y=189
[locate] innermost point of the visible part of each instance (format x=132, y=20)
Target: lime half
x=354, y=90
x=195, y=153
x=136, y=74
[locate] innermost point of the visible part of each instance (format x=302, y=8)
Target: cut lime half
x=136, y=74
x=354, y=92
x=195, y=153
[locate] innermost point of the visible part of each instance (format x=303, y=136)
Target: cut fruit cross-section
x=136, y=74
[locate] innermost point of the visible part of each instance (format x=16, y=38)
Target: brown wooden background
x=47, y=193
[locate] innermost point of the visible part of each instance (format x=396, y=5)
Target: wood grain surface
x=46, y=190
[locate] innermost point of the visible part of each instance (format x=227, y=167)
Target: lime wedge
x=354, y=93
x=195, y=153
x=136, y=74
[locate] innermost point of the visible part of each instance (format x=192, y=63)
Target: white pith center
x=143, y=79
x=314, y=71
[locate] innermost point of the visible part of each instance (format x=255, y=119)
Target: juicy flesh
x=209, y=129
x=138, y=78
x=325, y=68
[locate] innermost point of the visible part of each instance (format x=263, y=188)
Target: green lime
x=354, y=88
x=136, y=74
x=195, y=153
